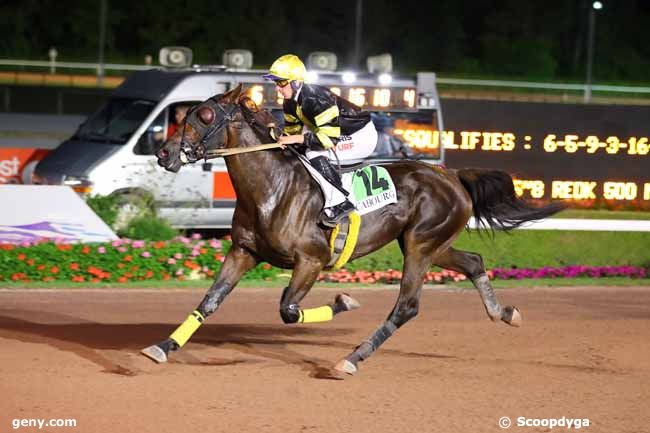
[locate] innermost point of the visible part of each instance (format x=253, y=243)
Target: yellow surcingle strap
x=333, y=236
x=187, y=328
x=313, y=315
x=350, y=242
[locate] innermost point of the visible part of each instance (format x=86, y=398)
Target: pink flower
x=171, y=261
x=101, y=250
x=179, y=272
x=117, y=243
x=196, y=236
x=178, y=256
x=215, y=244
x=122, y=249
x=195, y=253
x=137, y=244
x=146, y=254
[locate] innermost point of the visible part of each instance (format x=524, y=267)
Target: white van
x=112, y=151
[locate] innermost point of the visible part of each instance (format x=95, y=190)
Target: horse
x=277, y=212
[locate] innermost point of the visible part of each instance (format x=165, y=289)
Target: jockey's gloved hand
x=274, y=131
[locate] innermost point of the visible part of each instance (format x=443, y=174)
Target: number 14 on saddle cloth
x=370, y=188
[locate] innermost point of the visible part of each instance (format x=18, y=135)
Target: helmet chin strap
x=295, y=87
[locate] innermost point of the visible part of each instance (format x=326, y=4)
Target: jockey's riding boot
x=325, y=167
x=333, y=215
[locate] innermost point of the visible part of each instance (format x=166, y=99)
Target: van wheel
x=129, y=207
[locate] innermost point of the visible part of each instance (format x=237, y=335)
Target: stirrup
x=339, y=212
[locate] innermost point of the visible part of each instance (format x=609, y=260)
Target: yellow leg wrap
x=187, y=328
x=313, y=315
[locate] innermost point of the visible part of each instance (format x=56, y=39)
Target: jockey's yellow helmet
x=288, y=67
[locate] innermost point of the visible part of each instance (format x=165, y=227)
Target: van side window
x=162, y=128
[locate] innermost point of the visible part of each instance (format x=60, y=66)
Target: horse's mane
x=261, y=121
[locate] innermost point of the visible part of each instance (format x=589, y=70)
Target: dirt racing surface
x=582, y=353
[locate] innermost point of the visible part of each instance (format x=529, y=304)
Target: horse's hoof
x=346, y=302
x=345, y=366
x=155, y=353
x=512, y=316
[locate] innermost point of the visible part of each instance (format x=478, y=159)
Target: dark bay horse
x=278, y=207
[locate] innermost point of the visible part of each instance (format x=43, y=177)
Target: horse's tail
x=495, y=203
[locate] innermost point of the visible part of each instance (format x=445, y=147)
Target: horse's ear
x=233, y=95
x=247, y=102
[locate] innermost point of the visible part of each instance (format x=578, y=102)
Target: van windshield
x=116, y=121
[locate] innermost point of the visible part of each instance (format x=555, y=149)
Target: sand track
x=582, y=353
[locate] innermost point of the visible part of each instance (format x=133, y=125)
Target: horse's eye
x=206, y=115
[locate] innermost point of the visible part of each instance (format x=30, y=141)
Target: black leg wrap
x=214, y=298
x=290, y=313
x=368, y=347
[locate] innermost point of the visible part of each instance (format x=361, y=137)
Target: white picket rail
x=74, y=65
x=440, y=80
x=585, y=225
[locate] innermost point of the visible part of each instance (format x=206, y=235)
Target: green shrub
x=149, y=228
x=104, y=206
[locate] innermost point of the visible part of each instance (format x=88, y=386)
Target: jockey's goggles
x=281, y=83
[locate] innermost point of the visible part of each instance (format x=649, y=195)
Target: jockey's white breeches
x=349, y=149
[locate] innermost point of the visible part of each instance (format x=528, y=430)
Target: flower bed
x=123, y=260
x=393, y=276
x=183, y=258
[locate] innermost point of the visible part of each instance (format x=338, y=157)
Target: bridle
x=192, y=153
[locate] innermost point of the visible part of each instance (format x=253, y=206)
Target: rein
x=216, y=153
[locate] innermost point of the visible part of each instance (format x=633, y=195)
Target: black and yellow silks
x=327, y=116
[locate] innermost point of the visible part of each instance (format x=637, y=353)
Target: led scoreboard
x=368, y=97
x=590, y=154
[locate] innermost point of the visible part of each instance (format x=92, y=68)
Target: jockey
x=322, y=123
